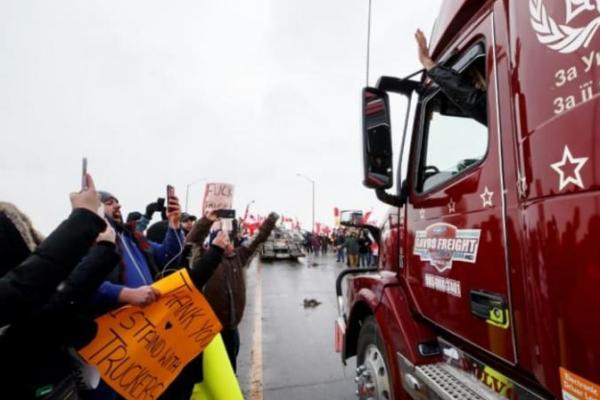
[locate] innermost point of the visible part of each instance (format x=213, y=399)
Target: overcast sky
x=158, y=92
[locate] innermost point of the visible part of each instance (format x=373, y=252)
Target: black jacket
x=226, y=290
x=364, y=245
x=28, y=287
x=35, y=347
x=461, y=91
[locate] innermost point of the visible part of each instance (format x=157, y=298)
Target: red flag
x=366, y=217
x=251, y=224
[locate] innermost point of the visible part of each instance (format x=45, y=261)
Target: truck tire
x=372, y=366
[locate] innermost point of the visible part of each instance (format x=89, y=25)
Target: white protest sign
x=217, y=196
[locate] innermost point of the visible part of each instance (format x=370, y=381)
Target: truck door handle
x=491, y=307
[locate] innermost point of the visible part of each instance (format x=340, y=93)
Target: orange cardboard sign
x=575, y=387
x=139, y=351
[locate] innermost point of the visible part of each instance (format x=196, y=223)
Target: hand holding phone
x=170, y=194
x=173, y=208
x=84, y=184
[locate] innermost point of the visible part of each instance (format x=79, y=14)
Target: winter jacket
x=351, y=245
x=461, y=91
x=226, y=290
x=364, y=245
x=27, y=287
x=18, y=238
x=201, y=269
x=141, y=261
x=35, y=347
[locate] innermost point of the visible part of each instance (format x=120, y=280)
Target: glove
x=157, y=206
x=273, y=216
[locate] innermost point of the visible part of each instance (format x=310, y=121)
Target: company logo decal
x=442, y=284
x=563, y=37
x=442, y=243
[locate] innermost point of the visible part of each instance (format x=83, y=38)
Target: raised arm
x=459, y=89
x=200, y=229
x=172, y=244
x=263, y=234
x=27, y=287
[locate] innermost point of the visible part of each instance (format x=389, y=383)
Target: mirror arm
x=390, y=199
x=403, y=86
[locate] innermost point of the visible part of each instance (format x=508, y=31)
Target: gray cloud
x=159, y=92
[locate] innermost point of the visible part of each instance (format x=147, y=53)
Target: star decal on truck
x=451, y=206
x=486, y=197
x=569, y=170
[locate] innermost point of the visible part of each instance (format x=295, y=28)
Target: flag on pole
x=366, y=216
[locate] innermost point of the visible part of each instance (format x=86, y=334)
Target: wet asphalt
x=296, y=343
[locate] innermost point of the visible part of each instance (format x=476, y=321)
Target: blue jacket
x=135, y=270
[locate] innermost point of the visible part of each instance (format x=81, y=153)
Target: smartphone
x=84, y=174
x=226, y=213
x=170, y=193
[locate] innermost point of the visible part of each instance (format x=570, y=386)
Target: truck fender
x=401, y=330
x=365, y=304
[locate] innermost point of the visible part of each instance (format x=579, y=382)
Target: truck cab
x=487, y=284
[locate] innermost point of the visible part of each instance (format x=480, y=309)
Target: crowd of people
x=355, y=247
x=95, y=261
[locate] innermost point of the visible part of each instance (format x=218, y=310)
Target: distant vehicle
x=281, y=244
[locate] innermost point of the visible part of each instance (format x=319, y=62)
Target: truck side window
x=452, y=140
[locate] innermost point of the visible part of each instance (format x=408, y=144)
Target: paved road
x=287, y=350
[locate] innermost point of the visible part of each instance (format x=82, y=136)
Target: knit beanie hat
x=106, y=196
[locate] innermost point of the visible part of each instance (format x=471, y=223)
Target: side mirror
x=377, y=140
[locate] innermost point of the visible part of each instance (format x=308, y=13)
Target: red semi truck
x=488, y=283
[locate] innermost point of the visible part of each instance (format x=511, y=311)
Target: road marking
x=256, y=378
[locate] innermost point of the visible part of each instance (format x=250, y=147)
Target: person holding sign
x=183, y=385
x=141, y=260
x=226, y=290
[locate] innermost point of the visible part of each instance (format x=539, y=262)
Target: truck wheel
x=372, y=371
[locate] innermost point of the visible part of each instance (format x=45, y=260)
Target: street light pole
x=247, y=208
x=187, y=190
x=313, y=198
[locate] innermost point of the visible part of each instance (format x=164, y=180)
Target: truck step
x=450, y=383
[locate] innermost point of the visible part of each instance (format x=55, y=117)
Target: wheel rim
x=372, y=376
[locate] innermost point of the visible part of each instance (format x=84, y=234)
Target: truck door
x=456, y=262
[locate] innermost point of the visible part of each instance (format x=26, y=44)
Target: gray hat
x=185, y=216
x=106, y=196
